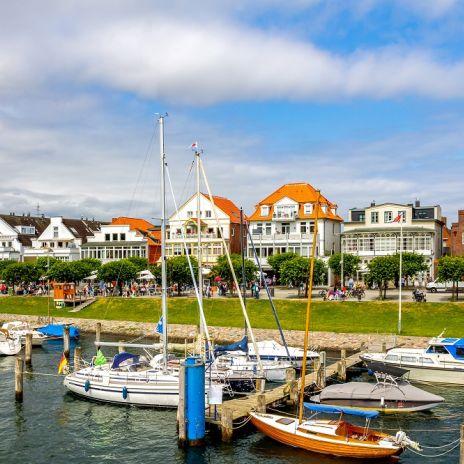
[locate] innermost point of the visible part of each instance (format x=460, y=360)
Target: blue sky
x=361, y=98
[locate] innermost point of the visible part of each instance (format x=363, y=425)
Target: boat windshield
x=437, y=349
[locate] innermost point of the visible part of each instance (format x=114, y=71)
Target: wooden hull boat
x=337, y=438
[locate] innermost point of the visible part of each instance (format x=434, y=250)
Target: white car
x=436, y=286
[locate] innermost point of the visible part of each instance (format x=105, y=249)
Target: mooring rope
x=434, y=455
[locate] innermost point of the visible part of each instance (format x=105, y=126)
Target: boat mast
x=163, y=247
x=308, y=308
x=242, y=252
x=199, y=254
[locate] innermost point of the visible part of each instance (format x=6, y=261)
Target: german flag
x=63, y=364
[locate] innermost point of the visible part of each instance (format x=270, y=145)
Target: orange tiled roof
x=227, y=207
x=301, y=193
x=133, y=223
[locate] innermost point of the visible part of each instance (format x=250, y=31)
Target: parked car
x=436, y=286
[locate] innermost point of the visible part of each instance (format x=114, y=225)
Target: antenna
x=38, y=209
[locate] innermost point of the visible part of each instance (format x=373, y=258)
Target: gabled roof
x=302, y=193
x=228, y=207
x=134, y=223
x=82, y=228
x=39, y=223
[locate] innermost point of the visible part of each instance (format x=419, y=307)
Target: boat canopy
x=242, y=345
x=341, y=410
x=57, y=330
x=376, y=366
x=124, y=356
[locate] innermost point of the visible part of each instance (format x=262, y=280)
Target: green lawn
x=366, y=317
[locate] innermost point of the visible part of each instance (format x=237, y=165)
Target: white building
x=371, y=232
x=284, y=222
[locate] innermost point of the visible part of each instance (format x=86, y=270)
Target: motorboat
x=441, y=362
x=22, y=328
x=10, y=343
x=391, y=393
x=334, y=437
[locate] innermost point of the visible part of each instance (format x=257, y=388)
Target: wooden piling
x=121, y=347
x=66, y=342
x=461, y=452
x=98, y=335
x=77, y=358
x=181, y=425
x=227, y=427
x=342, y=354
x=28, y=350
x=290, y=374
x=261, y=403
x=19, y=369
x=321, y=375
x=260, y=385
x=294, y=392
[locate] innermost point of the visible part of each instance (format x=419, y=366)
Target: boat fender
x=382, y=402
x=87, y=385
x=124, y=392
x=370, y=372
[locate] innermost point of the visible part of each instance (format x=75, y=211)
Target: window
x=258, y=228
x=285, y=227
x=408, y=359
x=437, y=349
x=308, y=208
x=403, y=215
x=268, y=228
x=115, y=237
x=189, y=214
x=425, y=361
x=122, y=237
x=374, y=217
x=60, y=244
x=387, y=216
x=324, y=208
x=264, y=210
x=55, y=232
x=303, y=227
x=391, y=357
x=107, y=237
x=460, y=351
x=208, y=213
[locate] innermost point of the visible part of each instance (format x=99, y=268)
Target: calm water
x=52, y=426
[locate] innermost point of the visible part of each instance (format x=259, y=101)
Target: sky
x=363, y=99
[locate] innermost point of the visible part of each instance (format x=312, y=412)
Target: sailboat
x=10, y=344
x=334, y=437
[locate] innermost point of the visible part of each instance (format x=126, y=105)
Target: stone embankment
x=329, y=341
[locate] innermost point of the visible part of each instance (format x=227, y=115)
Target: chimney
x=417, y=203
x=373, y=203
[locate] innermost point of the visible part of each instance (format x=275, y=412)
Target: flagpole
x=401, y=274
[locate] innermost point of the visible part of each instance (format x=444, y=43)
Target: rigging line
x=433, y=455
x=232, y=270
x=442, y=446
x=197, y=292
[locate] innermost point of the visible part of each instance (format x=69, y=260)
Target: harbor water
x=52, y=426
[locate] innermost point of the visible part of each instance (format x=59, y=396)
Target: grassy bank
x=366, y=317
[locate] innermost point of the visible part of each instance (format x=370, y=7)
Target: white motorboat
x=10, y=343
x=441, y=362
x=21, y=329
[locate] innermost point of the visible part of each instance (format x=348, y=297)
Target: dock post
x=342, y=354
x=321, y=373
x=260, y=385
x=66, y=342
x=19, y=368
x=181, y=425
x=97, y=335
x=193, y=408
x=227, y=428
x=121, y=346
x=461, y=452
x=28, y=350
x=290, y=374
x=294, y=392
x=261, y=403
x=77, y=358
x=384, y=347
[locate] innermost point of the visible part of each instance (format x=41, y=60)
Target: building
x=62, y=239
x=457, y=235
x=17, y=233
x=186, y=221
x=284, y=221
x=371, y=232
x=123, y=238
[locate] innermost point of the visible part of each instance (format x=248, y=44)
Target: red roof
x=133, y=223
x=228, y=207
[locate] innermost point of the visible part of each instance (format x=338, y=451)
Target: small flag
x=159, y=326
x=63, y=364
x=100, y=359
x=194, y=145
x=398, y=218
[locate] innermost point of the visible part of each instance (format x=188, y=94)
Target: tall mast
x=163, y=247
x=242, y=251
x=308, y=307
x=199, y=254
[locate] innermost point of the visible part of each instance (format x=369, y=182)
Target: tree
x=451, y=269
x=178, y=271
x=140, y=263
x=296, y=271
x=42, y=264
x=411, y=264
x=382, y=269
x=18, y=273
x=93, y=263
x=222, y=269
x=350, y=264
x=117, y=271
x=3, y=265
x=276, y=261
x=63, y=271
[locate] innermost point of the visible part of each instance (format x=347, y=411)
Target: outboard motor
x=401, y=439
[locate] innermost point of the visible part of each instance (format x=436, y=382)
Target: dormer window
x=264, y=210
x=308, y=208
x=324, y=208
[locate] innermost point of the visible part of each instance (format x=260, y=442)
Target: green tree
x=117, y=271
x=3, y=266
x=178, y=271
x=276, y=261
x=411, y=264
x=451, y=269
x=93, y=264
x=296, y=271
x=43, y=262
x=63, y=271
x=18, y=273
x=350, y=264
x=222, y=269
x=140, y=263
x=382, y=269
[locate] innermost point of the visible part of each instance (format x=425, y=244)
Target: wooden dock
x=237, y=410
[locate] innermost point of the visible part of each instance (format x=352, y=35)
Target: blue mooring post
x=191, y=412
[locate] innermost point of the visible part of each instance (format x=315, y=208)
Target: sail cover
x=341, y=410
x=122, y=357
x=242, y=345
x=57, y=330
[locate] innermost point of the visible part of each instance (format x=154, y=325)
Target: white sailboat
x=21, y=329
x=10, y=344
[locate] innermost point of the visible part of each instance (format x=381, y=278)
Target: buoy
x=87, y=385
x=124, y=392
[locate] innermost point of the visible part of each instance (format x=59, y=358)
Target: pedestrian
x=350, y=284
x=257, y=289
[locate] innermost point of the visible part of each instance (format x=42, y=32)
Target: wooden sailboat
x=334, y=437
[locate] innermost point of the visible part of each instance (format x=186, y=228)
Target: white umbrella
x=146, y=275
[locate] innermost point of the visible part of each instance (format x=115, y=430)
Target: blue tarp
x=124, y=356
x=242, y=345
x=57, y=330
x=340, y=410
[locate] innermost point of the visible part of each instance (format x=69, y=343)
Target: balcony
x=280, y=237
x=290, y=215
x=194, y=237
